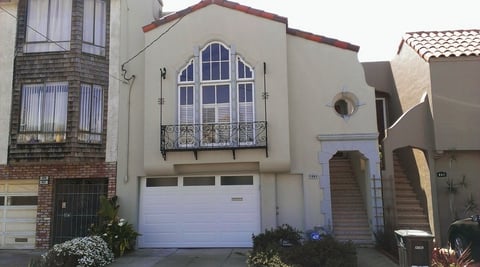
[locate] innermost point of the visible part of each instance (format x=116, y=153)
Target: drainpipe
x=125, y=179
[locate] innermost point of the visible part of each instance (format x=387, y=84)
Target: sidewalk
x=201, y=257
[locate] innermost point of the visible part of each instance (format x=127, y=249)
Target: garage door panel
x=21, y=213
x=19, y=242
x=199, y=216
x=161, y=219
x=19, y=226
x=153, y=238
x=18, y=212
x=166, y=228
x=22, y=188
x=207, y=217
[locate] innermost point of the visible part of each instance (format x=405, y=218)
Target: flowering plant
x=82, y=251
x=117, y=232
x=442, y=257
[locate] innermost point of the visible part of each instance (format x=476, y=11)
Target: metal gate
x=76, y=205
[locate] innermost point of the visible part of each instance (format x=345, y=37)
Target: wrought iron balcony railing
x=216, y=136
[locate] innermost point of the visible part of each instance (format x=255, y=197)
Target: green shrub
x=274, y=239
x=117, y=232
x=89, y=251
x=283, y=246
x=324, y=252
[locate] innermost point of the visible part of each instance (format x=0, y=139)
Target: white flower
x=91, y=251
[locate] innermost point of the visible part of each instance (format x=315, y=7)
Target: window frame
x=35, y=118
x=48, y=36
x=94, y=35
x=90, y=123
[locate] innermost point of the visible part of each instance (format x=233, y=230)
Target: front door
x=76, y=205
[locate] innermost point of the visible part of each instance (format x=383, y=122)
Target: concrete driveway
x=198, y=257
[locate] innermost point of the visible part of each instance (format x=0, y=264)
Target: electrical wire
x=147, y=46
x=50, y=40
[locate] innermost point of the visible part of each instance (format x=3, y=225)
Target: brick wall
x=45, y=192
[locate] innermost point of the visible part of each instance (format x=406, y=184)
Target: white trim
x=367, y=144
x=347, y=137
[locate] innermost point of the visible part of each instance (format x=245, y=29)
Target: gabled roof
x=254, y=12
x=444, y=43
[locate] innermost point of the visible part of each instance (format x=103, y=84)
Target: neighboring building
x=54, y=158
x=432, y=87
x=232, y=123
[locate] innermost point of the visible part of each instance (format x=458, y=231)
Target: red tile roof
x=444, y=43
x=251, y=11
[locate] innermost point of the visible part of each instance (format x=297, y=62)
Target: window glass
x=43, y=113
x=49, y=25
x=186, y=75
x=186, y=95
x=215, y=51
x=91, y=113
x=2, y=201
x=243, y=70
x=199, y=181
x=206, y=70
x=22, y=200
x=94, y=26
x=215, y=63
x=236, y=180
x=245, y=93
x=162, y=182
x=223, y=93
x=225, y=53
x=208, y=94
x=206, y=54
x=344, y=104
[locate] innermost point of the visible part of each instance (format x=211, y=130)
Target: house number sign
x=43, y=180
x=441, y=174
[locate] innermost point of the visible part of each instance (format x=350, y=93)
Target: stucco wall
x=456, y=164
x=412, y=80
x=174, y=50
x=126, y=101
x=317, y=73
x=456, y=102
x=7, y=44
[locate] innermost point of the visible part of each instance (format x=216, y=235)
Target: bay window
x=43, y=113
x=48, y=25
x=91, y=113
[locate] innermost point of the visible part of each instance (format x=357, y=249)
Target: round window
x=345, y=104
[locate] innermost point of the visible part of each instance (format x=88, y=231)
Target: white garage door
x=213, y=211
x=18, y=213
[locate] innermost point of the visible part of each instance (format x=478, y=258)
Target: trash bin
x=414, y=247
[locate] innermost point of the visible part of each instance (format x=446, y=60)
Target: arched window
x=220, y=100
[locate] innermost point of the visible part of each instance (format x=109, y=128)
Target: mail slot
x=237, y=198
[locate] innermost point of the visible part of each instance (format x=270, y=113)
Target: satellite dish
x=157, y=9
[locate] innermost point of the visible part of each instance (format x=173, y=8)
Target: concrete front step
x=350, y=220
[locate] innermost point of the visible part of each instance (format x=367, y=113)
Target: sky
x=377, y=26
